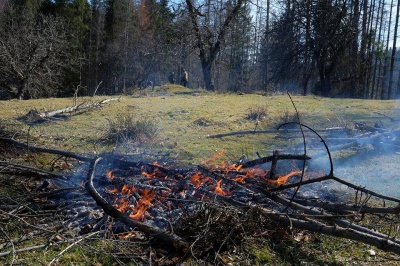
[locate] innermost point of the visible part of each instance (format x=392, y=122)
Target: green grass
x=184, y=118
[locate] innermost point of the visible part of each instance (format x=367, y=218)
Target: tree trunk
x=208, y=44
x=363, y=47
x=206, y=67
x=392, y=58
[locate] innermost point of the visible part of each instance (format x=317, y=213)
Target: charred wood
x=278, y=157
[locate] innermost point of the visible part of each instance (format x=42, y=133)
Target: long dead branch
x=13, y=167
x=328, y=206
x=383, y=243
x=31, y=148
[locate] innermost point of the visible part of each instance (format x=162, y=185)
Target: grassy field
x=181, y=121
x=184, y=119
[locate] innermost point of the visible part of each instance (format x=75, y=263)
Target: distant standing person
x=184, y=78
x=171, y=77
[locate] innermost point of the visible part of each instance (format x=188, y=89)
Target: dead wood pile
x=154, y=199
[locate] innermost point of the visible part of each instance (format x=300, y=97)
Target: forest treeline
x=334, y=48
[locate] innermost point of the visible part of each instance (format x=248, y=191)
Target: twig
x=97, y=87
x=304, y=150
x=2, y=254
x=70, y=246
x=12, y=244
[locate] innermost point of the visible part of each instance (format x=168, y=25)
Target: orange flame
x=232, y=167
x=110, y=174
x=143, y=204
x=140, y=211
x=218, y=190
x=126, y=190
x=195, y=179
x=283, y=179
x=122, y=206
x=156, y=164
x=240, y=179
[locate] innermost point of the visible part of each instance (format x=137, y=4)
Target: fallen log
x=35, y=116
x=289, y=130
x=13, y=168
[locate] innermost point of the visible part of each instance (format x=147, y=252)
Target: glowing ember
x=126, y=235
x=283, y=179
x=155, y=173
x=218, y=190
x=114, y=190
x=150, y=175
x=256, y=172
x=240, y=179
x=122, y=206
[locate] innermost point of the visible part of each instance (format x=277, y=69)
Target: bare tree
x=209, y=42
x=34, y=56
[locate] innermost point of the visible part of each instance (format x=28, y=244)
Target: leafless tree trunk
x=392, y=58
x=208, y=44
x=385, y=84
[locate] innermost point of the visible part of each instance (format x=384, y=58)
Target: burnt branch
x=279, y=156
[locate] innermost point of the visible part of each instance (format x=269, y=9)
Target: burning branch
x=169, y=239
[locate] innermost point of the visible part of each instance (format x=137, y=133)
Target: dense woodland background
x=335, y=48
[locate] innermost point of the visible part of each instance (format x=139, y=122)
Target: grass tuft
x=287, y=117
x=125, y=128
x=257, y=113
